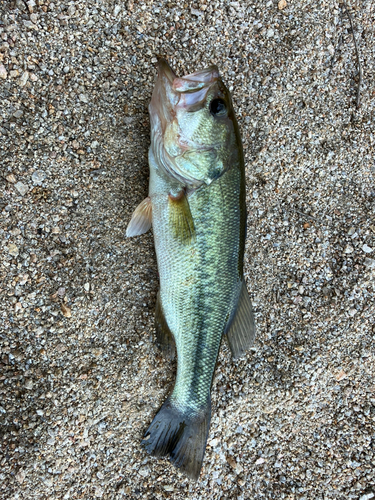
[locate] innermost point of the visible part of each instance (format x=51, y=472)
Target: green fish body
x=196, y=206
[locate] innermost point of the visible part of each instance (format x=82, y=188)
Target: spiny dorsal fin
x=164, y=336
x=241, y=330
x=141, y=219
x=180, y=218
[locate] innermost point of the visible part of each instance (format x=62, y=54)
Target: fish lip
x=206, y=72
x=164, y=69
x=196, y=81
x=188, y=83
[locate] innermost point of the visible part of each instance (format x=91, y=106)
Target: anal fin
x=141, y=219
x=241, y=330
x=180, y=218
x=164, y=336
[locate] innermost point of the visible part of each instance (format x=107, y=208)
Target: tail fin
x=180, y=434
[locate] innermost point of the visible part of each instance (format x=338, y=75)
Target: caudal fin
x=180, y=434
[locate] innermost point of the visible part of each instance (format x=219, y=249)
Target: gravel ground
x=80, y=376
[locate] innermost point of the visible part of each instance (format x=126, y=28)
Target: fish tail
x=181, y=434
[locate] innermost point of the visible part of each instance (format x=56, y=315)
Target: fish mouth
x=189, y=89
x=197, y=80
x=187, y=83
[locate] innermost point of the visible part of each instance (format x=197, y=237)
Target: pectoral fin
x=180, y=218
x=164, y=336
x=141, y=219
x=241, y=330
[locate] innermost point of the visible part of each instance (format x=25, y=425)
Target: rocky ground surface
x=80, y=376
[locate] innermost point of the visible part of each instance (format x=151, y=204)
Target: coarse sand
x=81, y=378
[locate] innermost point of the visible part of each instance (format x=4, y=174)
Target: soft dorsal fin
x=141, y=219
x=241, y=329
x=180, y=218
x=164, y=336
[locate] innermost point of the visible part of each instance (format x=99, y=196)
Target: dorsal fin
x=241, y=329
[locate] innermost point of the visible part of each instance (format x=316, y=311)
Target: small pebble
x=341, y=375
x=13, y=249
x=83, y=98
x=66, y=310
x=21, y=188
x=20, y=476
x=38, y=177
x=366, y=248
x=29, y=384
x=144, y=471
x=367, y=496
x=99, y=492
x=11, y=178
x=31, y=4
x=3, y=72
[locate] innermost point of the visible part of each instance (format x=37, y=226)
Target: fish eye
x=218, y=107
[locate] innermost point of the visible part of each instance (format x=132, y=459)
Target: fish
x=196, y=206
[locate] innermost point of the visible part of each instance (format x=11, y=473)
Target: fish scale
x=198, y=316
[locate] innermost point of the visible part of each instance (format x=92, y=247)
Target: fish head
x=194, y=132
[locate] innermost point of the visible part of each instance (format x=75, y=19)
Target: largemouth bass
x=196, y=206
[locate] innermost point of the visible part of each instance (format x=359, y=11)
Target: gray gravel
x=80, y=376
